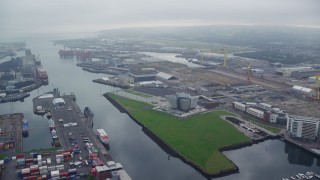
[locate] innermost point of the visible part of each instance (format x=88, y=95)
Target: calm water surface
x=141, y=157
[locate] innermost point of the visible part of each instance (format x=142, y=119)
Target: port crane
x=249, y=72
x=224, y=51
x=316, y=87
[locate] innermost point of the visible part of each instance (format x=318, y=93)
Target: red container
x=67, y=158
x=19, y=156
x=66, y=154
x=93, y=171
x=64, y=174
x=34, y=170
x=68, y=150
x=46, y=154
x=26, y=175
x=35, y=173
x=29, y=160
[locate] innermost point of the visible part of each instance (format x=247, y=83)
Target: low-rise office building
x=255, y=112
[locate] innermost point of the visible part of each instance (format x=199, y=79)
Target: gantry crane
x=249, y=72
x=316, y=87
x=224, y=51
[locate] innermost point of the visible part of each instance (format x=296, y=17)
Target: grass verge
x=197, y=138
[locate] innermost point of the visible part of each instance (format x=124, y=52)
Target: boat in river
x=43, y=76
x=87, y=112
x=103, y=136
x=49, y=115
x=39, y=110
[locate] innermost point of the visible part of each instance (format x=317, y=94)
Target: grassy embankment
x=197, y=138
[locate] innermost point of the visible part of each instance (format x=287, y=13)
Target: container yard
x=11, y=133
x=76, y=151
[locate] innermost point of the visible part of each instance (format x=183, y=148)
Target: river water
x=141, y=157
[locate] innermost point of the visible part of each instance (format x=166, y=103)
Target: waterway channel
x=142, y=157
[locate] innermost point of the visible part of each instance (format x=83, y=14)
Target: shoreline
x=171, y=152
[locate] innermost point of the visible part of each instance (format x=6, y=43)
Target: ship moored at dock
x=103, y=136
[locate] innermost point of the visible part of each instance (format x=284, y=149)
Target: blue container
x=73, y=177
x=7, y=159
x=19, y=174
x=35, y=155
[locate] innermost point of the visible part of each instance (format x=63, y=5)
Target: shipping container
x=39, y=157
x=19, y=174
x=48, y=161
x=34, y=170
x=51, y=168
x=44, y=177
x=60, y=167
x=35, y=173
x=64, y=174
x=46, y=154
x=34, y=166
x=25, y=170
x=55, y=173
x=19, y=156
x=29, y=161
x=73, y=177
x=72, y=171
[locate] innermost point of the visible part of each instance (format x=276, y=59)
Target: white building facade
x=303, y=127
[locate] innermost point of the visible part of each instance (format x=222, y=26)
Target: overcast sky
x=93, y=15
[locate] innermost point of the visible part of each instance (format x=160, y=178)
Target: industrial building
x=142, y=77
x=302, y=127
x=247, y=88
x=288, y=71
x=165, y=76
x=182, y=101
x=146, y=74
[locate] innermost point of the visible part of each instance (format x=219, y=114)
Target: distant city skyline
x=35, y=16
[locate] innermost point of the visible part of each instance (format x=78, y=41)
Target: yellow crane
x=316, y=87
x=224, y=51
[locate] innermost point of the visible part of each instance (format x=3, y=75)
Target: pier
x=68, y=113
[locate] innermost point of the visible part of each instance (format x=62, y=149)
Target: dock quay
x=14, y=97
x=77, y=153
x=112, y=83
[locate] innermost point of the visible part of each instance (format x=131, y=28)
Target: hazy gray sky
x=93, y=15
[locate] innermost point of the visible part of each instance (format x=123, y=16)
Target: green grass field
x=197, y=138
